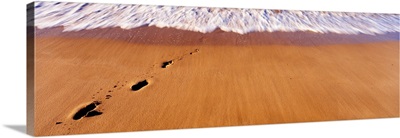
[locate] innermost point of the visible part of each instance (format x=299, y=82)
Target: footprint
x=195, y=51
x=167, y=63
x=88, y=111
x=92, y=109
x=139, y=85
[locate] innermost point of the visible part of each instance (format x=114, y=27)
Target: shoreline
x=151, y=35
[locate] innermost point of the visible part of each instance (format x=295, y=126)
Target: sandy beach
x=213, y=79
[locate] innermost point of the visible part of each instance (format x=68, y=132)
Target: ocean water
x=80, y=16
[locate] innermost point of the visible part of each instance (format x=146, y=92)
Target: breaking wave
x=79, y=16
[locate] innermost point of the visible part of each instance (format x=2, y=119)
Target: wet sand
x=215, y=79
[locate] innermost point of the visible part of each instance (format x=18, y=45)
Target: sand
x=213, y=80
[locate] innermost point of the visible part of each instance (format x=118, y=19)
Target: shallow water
x=80, y=16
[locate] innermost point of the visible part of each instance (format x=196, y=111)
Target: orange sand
x=216, y=86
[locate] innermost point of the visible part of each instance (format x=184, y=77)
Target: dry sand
x=216, y=79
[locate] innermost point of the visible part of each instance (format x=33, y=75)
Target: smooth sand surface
x=209, y=85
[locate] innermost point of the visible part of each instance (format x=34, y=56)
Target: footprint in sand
x=88, y=111
x=170, y=62
x=195, y=51
x=92, y=109
x=167, y=63
x=139, y=85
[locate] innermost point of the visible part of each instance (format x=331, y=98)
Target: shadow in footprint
x=86, y=111
x=93, y=113
x=139, y=85
x=166, y=63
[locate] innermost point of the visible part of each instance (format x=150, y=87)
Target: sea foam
x=80, y=16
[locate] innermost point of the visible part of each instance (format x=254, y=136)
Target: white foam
x=79, y=16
